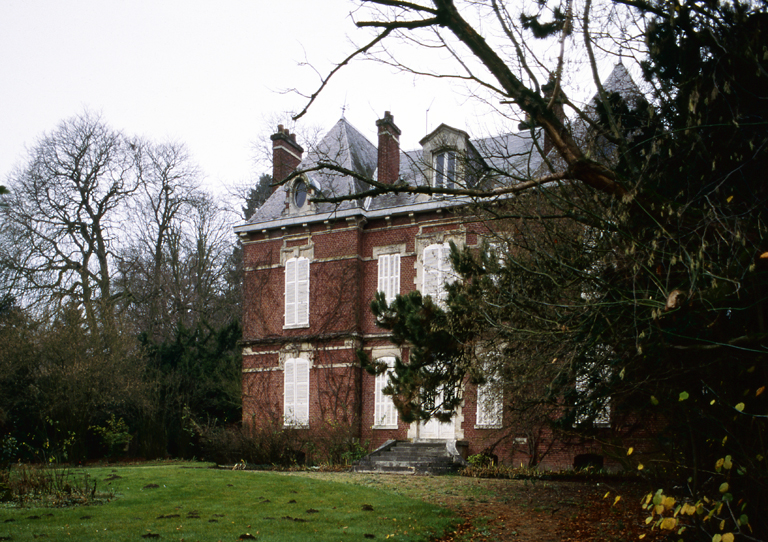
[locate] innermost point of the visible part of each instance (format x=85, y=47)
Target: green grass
x=195, y=503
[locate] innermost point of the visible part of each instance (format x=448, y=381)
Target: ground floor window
x=296, y=392
x=385, y=413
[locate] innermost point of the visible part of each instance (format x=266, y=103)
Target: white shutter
x=437, y=271
x=385, y=414
x=302, y=392
x=296, y=392
x=297, y=292
x=290, y=292
x=389, y=276
x=394, y=277
x=383, y=273
x=431, y=278
x=289, y=392
x=489, y=405
x=446, y=273
x=302, y=291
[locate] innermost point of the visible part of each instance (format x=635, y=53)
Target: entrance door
x=434, y=429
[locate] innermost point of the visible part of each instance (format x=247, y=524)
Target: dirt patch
x=518, y=510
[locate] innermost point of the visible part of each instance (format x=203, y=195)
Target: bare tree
x=168, y=194
x=64, y=215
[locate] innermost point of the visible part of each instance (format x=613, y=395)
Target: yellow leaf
x=760, y=390
x=641, y=536
x=616, y=500
x=717, y=538
x=639, y=466
x=668, y=524
x=728, y=463
x=719, y=464
x=724, y=487
x=631, y=449
x=739, y=407
x=727, y=537
x=688, y=509
x=606, y=495
x=659, y=509
x=729, y=199
x=648, y=520
x=669, y=503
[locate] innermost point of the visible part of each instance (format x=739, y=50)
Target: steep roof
x=507, y=157
x=344, y=146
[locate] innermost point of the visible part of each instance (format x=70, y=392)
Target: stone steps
x=404, y=457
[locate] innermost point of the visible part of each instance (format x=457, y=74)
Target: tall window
x=445, y=169
x=389, y=275
x=437, y=271
x=489, y=404
x=600, y=407
x=296, y=392
x=297, y=292
x=590, y=378
x=385, y=413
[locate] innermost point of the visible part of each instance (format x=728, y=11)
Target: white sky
x=207, y=74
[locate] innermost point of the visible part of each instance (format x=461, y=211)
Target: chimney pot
x=389, y=149
x=286, y=153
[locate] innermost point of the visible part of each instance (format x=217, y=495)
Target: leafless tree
x=65, y=213
x=168, y=194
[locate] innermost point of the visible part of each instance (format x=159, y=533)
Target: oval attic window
x=300, y=194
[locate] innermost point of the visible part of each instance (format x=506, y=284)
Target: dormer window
x=300, y=193
x=445, y=169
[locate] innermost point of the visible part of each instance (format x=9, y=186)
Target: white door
x=434, y=429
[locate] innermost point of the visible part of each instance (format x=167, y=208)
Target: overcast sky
x=207, y=74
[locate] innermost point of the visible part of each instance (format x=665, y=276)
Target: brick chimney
x=389, y=149
x=286, y=153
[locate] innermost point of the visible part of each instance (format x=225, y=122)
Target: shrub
x=274, y=444
x=47, y=484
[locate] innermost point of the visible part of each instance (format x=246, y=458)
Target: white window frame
x=490, y=405
x=389, y=275
x=603, y=417
x=296, y=392
x=436, y=272
x=297, y=292
x=384, y=412
x=445, y=169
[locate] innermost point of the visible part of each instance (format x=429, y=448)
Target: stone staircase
x=402, y=457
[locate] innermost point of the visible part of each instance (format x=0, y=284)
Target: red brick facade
x=343, y=247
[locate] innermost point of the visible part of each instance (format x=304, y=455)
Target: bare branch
x=384, y=188
x=338, y=67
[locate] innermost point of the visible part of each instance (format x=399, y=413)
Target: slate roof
x=343, y=145
x=507, y=156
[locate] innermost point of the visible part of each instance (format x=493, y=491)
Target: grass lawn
x=190, y=502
